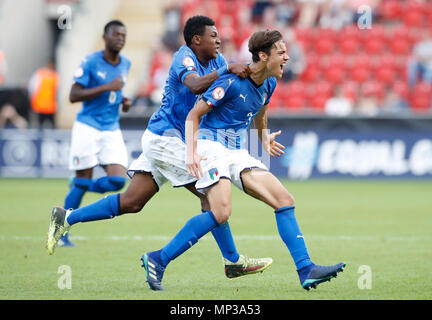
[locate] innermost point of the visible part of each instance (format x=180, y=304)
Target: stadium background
x=349, y=91
x=382, y=136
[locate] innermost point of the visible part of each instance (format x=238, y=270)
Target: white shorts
x=223, y=163
x=165, y=158
x=91, y=147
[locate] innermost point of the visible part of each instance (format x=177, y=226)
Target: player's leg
x=141, y=189
x=236, y=265
x=78, y=187
x=155, y=262
x=264, y=186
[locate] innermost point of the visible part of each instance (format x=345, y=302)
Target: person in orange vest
x=43, y=94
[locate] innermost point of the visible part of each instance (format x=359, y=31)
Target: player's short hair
x=263, y=41
x=111, y=24
x=196, y=26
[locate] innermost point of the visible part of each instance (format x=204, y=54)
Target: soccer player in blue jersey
x=195, y=66
x=96, y=136
x=217, y=156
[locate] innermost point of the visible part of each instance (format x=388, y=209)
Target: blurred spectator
x=309, y=13
x=297, y=61
x=393, y=103
x=420, y=64
x=3, y=67
x=286, y=11
x=229, y=51
x=339, y=104
x=367, y=104
x=42, y=91
x=336, y=14
x=10, y=101
x=172, y=19
x=9, y=117
x=258, y=10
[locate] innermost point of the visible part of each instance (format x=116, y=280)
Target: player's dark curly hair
x=196, y=26
x=112, y=23
x=263, y=41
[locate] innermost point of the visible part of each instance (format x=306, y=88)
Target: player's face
x=277, y=59
x=210, y=42
x=115, y=38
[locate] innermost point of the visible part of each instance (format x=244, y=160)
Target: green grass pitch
x=383, y=225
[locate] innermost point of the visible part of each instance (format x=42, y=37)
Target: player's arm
x=192, y=129
x=197, y=84
x=79, y=93
x=267, y=139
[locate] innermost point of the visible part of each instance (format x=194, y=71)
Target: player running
x=195, y=66
x=228, y=107
x=96, y=135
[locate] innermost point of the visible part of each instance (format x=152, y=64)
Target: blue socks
x=289, y=231
x=194, y=229
x=106, y=208
x=225, y=241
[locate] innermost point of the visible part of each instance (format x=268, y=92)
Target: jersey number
x=112, y=97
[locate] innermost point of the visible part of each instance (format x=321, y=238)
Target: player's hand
x=273, y=147
x=194, y=167
x=126, y=104
x=240, y=69
x=115, y=85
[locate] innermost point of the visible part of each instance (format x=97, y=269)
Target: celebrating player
x=96, y=137
x=195, y=66
x=217, y=156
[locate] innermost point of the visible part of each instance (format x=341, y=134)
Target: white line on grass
x=238, y=237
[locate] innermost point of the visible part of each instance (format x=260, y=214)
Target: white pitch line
x=239, y=237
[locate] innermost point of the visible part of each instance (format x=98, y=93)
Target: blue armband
x=223, y=70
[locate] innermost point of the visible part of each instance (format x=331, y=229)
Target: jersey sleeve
x=272, y=86
x=222, y=90
x=184, y=64
x=82, y=73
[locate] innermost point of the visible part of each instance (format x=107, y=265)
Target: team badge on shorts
x=213, y=172
x=75, y=160
x=218, y=93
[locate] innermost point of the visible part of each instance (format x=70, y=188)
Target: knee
x=130, y=205
x=222, y=212
x=285, y=199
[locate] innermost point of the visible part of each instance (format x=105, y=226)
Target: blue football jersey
x=234, y=102
x=177, y=99
x=101, y=112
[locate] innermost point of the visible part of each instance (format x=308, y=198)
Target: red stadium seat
x=318, y=102
x=349, y=46
x=294, y=102
x=400, y=47
x=390, y=9
x=311, y=74
x=351, y=89
x=375, y=46
x=294, y=88
x=385, y=75
x=413, y=18
x=320, y=88
x=423, y=89
x=419, y=103
x=335, y=75
x=360, y=74
x=324, y=46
